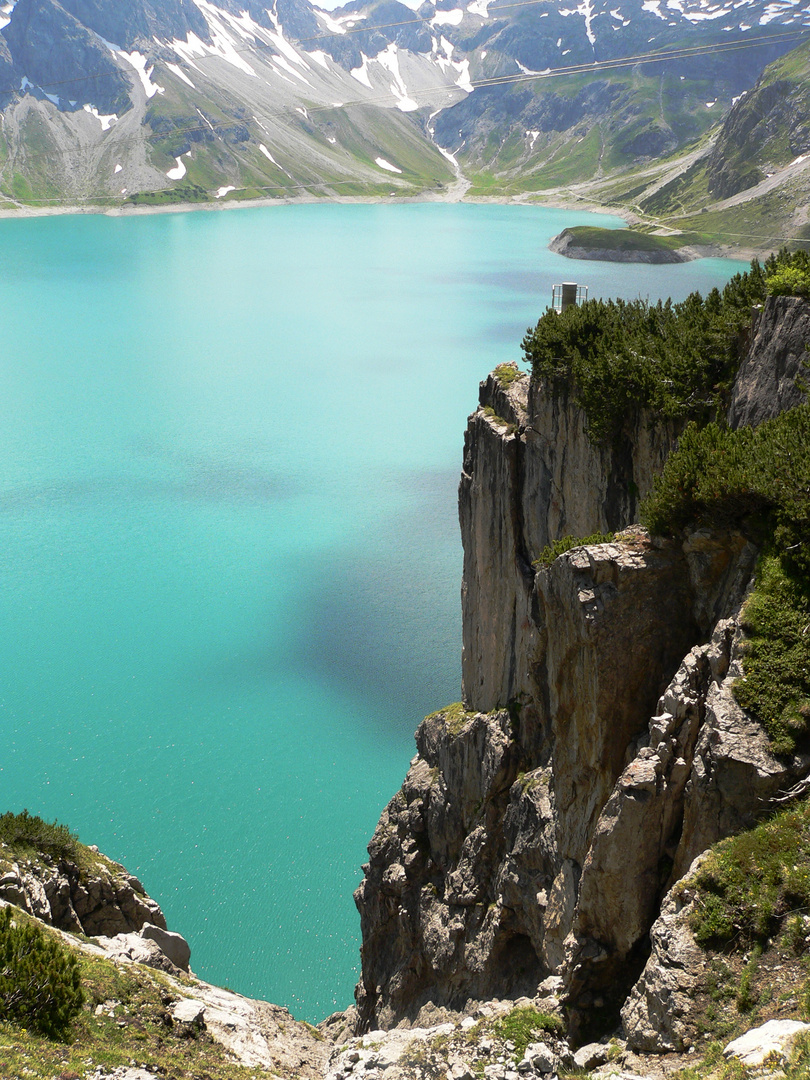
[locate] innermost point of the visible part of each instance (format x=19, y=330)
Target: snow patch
x=711, y=104
x=332, y=25
x=5, y=13
x=479, y=7
x=389, y=59
x=654, y=6
x=179, y=171
x=178, y=71
x=272, y=160
x=447, y=18
x=223, y=44
x=204, y=118
x=118, y=168
x=533, y=136
x=800, y=158
x=139, y=61
x=586, y=10
x=221, y=192
x=104, y=120
x=361, y=73
x=282, y=62
x=531, y=71
x=321, y=58
x=387, y=165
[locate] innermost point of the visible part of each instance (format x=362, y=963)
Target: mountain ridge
x=191, y=101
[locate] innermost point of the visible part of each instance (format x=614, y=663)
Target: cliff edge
x=598, y=747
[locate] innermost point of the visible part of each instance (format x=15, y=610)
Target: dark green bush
x=40, y=987
x=677, y=360
x=621, y=356
x=789, y=275
x=28, y=833
x=756, y=480
x=776, y=683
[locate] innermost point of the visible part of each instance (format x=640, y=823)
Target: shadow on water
x=385, y=627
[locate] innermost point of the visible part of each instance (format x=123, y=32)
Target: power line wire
x=683, y=52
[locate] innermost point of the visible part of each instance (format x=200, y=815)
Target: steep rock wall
x=477, y=864
x=531, y=475
x=598, y=748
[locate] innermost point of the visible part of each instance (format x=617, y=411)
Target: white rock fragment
x=758, y=1044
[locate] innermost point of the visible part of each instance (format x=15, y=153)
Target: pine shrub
x=756, y=480
x=28, y=833
x=675, y=360
x=40, y=987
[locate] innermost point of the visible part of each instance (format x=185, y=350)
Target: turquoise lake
x=229, y=550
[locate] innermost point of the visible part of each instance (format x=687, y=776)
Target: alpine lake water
x=229, y=549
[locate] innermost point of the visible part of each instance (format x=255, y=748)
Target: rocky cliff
x=598, y=748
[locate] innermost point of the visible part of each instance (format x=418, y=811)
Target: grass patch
x=182, y=193
x=455, y=717
x=508, y=373
x=587, y=236
x=490, y=414
x=751, y=884
x=566, y=543
x=524, y=1025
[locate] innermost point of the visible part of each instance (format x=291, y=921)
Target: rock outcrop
x=531, y=475
x=100, y=897
x=774, y=371
x=598, y=748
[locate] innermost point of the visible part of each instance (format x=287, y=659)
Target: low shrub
x=566, y=543
x=40, y=984
x=26, y=833
x=523, y=1025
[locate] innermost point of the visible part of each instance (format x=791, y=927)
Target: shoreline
x=554, y=202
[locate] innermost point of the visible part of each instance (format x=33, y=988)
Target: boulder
x=769, y=1043
x=173, y=945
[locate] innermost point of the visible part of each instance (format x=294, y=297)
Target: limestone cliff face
x=495, y=865
x=531, y=475
x=598, y=748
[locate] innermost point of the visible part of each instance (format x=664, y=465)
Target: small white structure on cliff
x=567, y=295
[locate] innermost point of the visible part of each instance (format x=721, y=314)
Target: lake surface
x=229, y=552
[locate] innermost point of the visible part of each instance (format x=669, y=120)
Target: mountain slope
x=196, y=100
